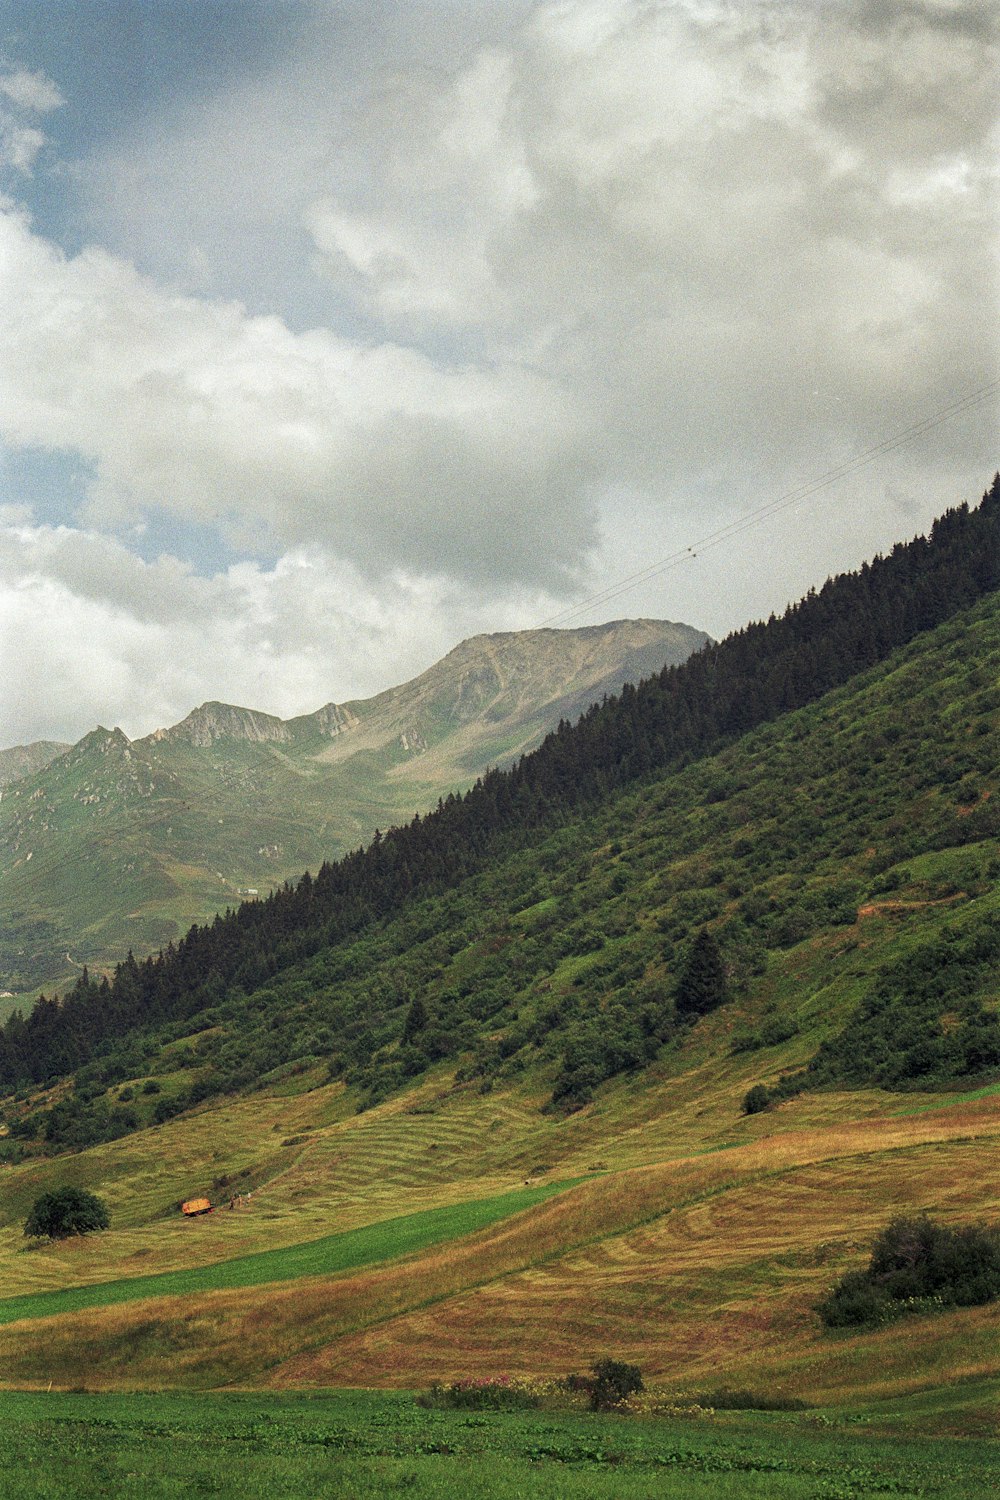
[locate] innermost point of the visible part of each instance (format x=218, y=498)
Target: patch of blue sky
x=203, y=547
x=51, y=484
x=116, y=61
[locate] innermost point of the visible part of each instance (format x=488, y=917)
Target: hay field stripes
x=724, y=1284
x=530, y=1291
x=414, y=1147
x=310, y=1173
x=385, y=1240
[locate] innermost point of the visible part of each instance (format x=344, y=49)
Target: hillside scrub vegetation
x=918, y=1266
x=680, y=715
x=584, y=935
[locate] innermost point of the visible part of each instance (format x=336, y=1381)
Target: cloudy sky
x=334, y=331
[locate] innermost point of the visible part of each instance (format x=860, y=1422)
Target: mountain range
x=115, y=844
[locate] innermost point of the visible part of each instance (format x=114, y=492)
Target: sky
x=333, y=332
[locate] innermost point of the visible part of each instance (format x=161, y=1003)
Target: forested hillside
x=117, y=844
x=553, y=920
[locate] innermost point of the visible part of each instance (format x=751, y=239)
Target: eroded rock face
x=225, y=721
x=330, y=720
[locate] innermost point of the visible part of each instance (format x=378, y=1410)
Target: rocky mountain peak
x=103, y=741
x=226, y=721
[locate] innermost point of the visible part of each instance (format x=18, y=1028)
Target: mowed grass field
x=275, y=1350
x=694, y=1242
x=387, y=1240
x=367, y=1445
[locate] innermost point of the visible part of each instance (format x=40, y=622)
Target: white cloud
x=102, y=637
x=194, y=408
x=19, y=145
x=31, y=91
x=22, y=93
x=696, y=212
x=529, y=298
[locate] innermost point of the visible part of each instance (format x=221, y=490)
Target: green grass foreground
x=372, y=1243
x=365, y=1445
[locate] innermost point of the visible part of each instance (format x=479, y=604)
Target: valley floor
x=367, y=1445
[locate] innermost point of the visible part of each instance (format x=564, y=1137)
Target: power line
x=792, y=497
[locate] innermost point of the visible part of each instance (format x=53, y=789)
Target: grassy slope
x=386, y=1240
x=704, y=1236
x=368, y=1446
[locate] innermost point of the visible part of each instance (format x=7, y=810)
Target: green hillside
x=117, y=845
x=24, y=760
x=831, y=855
x=502, y=1127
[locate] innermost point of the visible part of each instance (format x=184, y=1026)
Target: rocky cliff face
x=224, y=721
x=329, y=721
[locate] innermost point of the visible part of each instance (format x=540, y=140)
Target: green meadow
x=365, y=1446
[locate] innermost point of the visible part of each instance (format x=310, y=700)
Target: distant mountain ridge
x=225, y=721
x=116, y=843
x=26, y=760
x=487, y=677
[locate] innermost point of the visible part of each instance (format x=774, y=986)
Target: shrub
x=165, y=1109
x=491, y=1393
x=756, y=1099
x=66, y=1211
x=918, y=1266
x=613, y=1382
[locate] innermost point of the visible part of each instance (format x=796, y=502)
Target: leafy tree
x=702, y=984
x=66, y=1211
x=917, y=1265
x=613, y=1382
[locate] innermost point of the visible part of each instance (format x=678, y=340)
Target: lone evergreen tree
x=702, y=984
x=416, y=1020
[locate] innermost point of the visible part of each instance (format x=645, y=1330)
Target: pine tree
x=416, y=1020
x=702, y=984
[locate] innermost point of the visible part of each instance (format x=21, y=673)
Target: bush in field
x=491, y=1393
x=66, y=1211
x=613, y=1382
x=756, y=1099
x=917, y=1266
